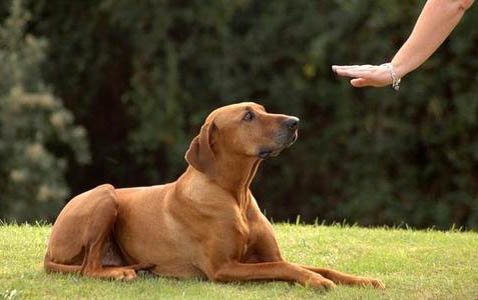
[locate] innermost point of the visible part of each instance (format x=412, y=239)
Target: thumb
x=359, y=82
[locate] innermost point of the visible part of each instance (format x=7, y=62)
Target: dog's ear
x=200, y=154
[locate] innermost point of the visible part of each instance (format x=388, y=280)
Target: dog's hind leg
x=81, y=233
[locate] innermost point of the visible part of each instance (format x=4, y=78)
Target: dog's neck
x=235, y=173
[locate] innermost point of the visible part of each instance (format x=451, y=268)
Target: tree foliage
x=141, y=77
x=36, y=131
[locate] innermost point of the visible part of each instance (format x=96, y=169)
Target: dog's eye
x=249, y=116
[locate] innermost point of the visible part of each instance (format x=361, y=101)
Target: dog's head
x=241, y=130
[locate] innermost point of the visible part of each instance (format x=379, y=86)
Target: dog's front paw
x=366, y=282
x=321, y=283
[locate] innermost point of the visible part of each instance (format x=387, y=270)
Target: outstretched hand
x=365, y=75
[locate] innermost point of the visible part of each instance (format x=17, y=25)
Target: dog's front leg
x=281, y=270
x=343, y=278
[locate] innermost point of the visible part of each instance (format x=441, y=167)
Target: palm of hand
x=365, y=75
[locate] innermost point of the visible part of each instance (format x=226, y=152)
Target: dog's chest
x=244, y=235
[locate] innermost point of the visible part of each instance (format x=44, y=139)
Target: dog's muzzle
x=286, y=136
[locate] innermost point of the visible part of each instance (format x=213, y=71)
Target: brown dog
x=206, y=224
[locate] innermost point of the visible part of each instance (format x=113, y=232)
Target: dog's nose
x=292, y=123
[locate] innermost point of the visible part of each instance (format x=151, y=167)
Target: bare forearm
x=436, y=21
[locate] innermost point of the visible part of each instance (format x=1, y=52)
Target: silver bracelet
x=395, y=81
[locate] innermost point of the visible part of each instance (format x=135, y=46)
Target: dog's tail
x=141, y=267
x=55, y=267
x=51, y=266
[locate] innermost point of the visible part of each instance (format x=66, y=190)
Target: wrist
x=393, y=76
x=399, y=69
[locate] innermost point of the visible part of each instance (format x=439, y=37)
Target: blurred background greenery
x=114, y=90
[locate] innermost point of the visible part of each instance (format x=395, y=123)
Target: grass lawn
x=412, y=264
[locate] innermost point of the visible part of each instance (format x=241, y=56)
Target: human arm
x=436, y=21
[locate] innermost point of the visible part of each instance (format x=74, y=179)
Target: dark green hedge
x=142, y=75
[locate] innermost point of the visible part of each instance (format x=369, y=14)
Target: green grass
x=413, y=265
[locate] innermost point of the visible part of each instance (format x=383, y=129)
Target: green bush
x=36, y=131
x=141, y=76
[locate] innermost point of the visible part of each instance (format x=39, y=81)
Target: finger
x=359, y=82
x=357, y=73
x=337, y=68
x=353, y=67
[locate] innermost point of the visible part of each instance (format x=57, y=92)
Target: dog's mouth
x=266, y=153
x=292, y=140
